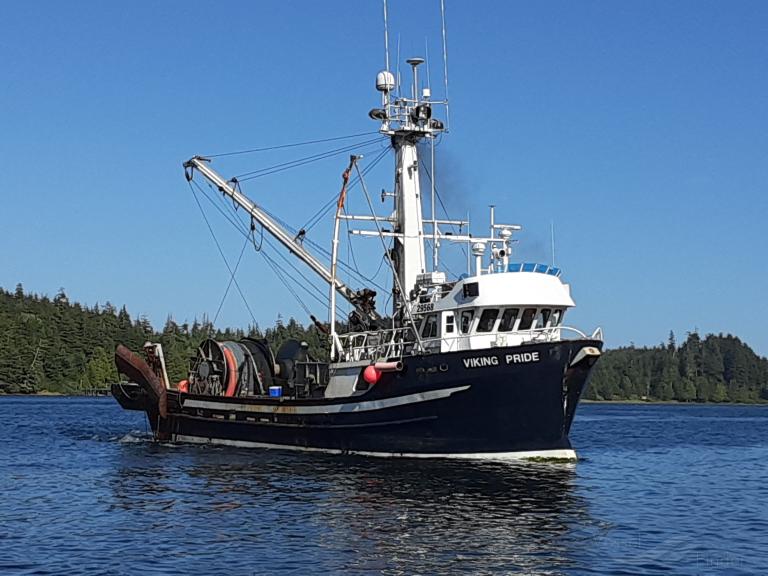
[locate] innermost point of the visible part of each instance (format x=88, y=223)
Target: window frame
x=531, y=320
x=450, y=322
x=471, y=313
x=479, y=329
x=543, y=314
x=426, y=323
x=515, y=319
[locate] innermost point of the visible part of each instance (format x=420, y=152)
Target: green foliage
x=716, y=369
x=58, y=346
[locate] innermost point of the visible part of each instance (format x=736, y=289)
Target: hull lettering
x=481, y=362
x=522, y=358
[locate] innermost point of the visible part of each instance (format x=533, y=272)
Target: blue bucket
x=276, y=391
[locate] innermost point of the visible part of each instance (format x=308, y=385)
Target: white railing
x=394, y=342
x=398, y=342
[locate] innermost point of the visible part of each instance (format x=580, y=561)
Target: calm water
x=659, y=489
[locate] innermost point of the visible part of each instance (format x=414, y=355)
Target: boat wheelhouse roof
x=508, y=289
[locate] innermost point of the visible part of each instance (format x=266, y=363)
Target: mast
x=335, y=254
x=409, y=246
x=407, y=121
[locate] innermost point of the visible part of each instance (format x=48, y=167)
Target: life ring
x=231, y=373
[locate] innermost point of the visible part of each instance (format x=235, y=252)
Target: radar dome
x=385, y=81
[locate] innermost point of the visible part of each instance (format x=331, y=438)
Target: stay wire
x=445, y=210
x=283, y=146
x=324, y=251
x=231, y=279
x=236, y=223
x=306, y=160
x=357, y=181
x=235, y=220
x=309, y=282
x=218, y=246
x=318, y=216
x=280, y=273
x=437, y=194
x=240, y=226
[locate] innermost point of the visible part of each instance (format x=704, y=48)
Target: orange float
x=231, y=373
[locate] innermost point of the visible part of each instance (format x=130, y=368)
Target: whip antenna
x=398, y=66
x=426, y=57
x=386, y=39
x=445, y=66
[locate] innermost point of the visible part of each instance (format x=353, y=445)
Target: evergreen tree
x=53, y=344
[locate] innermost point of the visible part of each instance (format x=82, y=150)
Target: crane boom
x=362, y=300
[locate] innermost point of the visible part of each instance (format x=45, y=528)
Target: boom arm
x=362, y=300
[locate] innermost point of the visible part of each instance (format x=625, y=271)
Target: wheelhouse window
x=487, y=319
x=557, y=317
x=449, y=323
x=543, y=317
x=527, y=319
x=508, y=319
x=429, y=328
x=466, y=320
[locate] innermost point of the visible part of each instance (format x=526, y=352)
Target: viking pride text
x=482, y=361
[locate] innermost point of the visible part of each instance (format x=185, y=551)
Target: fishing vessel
x=480, y=365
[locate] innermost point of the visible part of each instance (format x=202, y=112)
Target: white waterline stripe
x=555, y=454
x=329, y=408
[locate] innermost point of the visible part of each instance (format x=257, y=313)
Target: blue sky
x=639, y=128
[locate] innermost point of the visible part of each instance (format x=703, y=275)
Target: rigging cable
x=270, y=261
x=278, y=252
x=289, y=286
x=237, y=222
x=216, y=241
x=234, y=219
x=250, y=236
x=309, y=282
x=445, y=211
x=231, y=279
x=282, y=146
x=326, y=208
x=306, y=160
x=357, y=181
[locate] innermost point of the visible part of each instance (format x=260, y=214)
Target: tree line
x=718, y=368
x=59, y=346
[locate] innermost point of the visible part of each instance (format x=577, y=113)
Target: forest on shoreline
x=53, y=345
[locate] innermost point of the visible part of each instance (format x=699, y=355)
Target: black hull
x=496, y=403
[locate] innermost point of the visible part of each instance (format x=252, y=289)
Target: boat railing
x=357, y=346
x=360, y=346
x=554, y=333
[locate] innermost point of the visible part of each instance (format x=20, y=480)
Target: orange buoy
x=371, y=374
x=231, y=373
x=183, y=386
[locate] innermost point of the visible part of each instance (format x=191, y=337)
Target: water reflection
x=365, y=515
x=673, y=490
